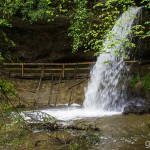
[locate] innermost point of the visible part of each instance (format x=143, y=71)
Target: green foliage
x=5, y=42
x=7, y=88
x=89, y=21
x=5, y=23
x=86, y=28
x=7, y=98
x=147, y=3
x=13, y=133
x=104, y=15
x=80, y=24
x=146, y=83
x=141, y=80
x=134, y=80
x=108, y=15
x=34, y=10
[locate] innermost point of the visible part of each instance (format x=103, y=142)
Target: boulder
x=137, y=106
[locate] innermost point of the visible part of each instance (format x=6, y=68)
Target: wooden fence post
x=51, y=90
x=58, y=89
x=63, y=71
x=22, y=73
x=1, y=68
x=42, y=73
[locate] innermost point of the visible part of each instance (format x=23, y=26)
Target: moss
x=146, y=83
x=134, y=80
x=141, y=83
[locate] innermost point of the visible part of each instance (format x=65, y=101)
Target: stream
x=121, y=132
x=117, y=132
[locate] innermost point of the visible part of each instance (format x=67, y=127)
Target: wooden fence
x=47, y=70
x=139, y=66
x=57, y=70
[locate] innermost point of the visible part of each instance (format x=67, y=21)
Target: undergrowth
x=141, y=81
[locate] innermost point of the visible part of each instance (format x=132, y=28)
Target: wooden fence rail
x=31, y=70
x=50, y=70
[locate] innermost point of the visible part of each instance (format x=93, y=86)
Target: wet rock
x=129, y=108
x=140, y=110
x=21, y=106
x=43, y=42
x=137, y=106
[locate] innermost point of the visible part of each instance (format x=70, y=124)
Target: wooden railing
x=138, y=62
x=30, y=70
x=63, y=70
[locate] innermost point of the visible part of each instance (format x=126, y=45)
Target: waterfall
x=105, y=94
x=105, y=90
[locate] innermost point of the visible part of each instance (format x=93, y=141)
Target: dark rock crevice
x=43, y=42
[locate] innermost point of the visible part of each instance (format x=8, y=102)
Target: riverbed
x=117, y=132
x=121, y=132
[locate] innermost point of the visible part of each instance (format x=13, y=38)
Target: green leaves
x=89, y=21
x=104, y=16
x=148, y=32
x=107, y=16
x=147, y=3
x=34, y=10
x=5, y=42
x=141, y=80
x=4, y=22
x=98, y=5
x=80, y=24
x=8, y=88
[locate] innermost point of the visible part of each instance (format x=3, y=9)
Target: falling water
x=105, y=89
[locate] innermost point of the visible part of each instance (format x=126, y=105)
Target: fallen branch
x=76, y=84
x=55, y=125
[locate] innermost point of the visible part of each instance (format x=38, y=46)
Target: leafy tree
x=81, y=22
x=7, y=90
x=90, y=21
x=100, y=18
x=148, y=21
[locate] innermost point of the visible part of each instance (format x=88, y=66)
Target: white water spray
x=104, y=91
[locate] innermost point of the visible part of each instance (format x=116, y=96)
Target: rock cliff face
x=43, y=42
